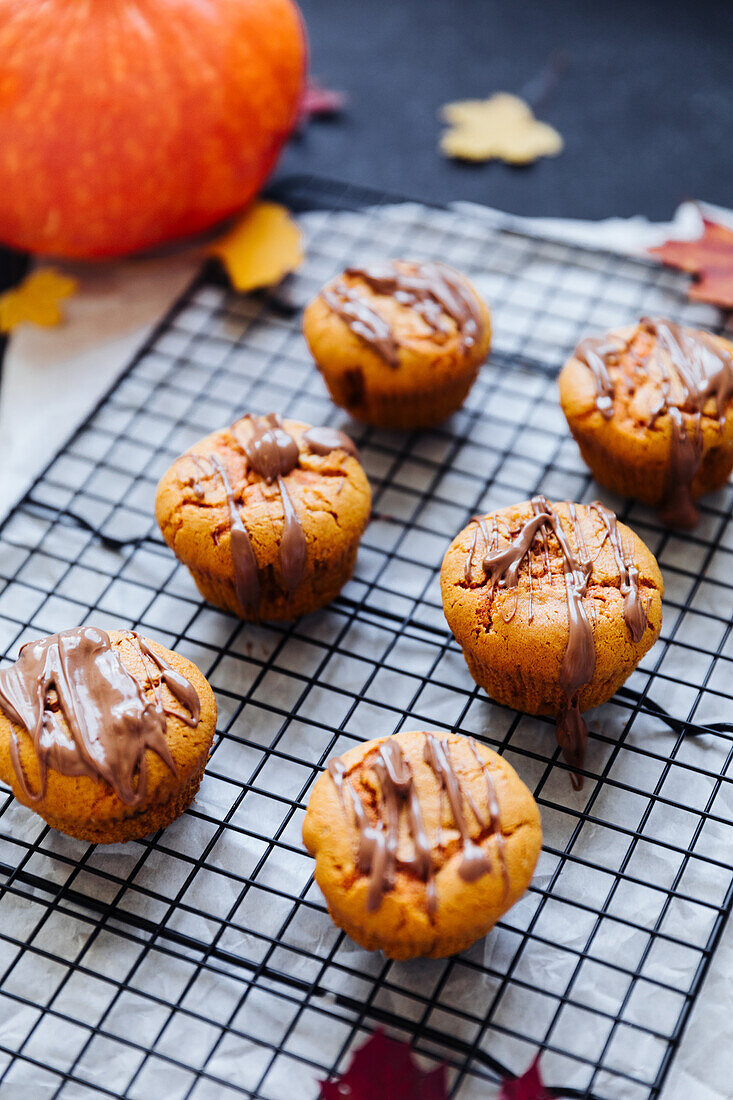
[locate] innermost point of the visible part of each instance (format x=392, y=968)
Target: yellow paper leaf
x=36, y=299
x=502, y=127
x=261, y=249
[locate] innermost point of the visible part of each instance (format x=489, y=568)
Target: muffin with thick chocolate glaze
x=651, y=408
x=422, y=841
x=553, y=605
x=399, y=344
x=267, y=515
x=105, y=735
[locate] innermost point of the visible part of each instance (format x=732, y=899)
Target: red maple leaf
x=709, y=259
x=384, y=1069
x=529, y=1086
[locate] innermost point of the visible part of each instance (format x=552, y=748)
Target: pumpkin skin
x=126, y=123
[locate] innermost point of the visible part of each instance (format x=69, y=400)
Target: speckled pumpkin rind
x=518, y=662
x=431, y=381
x=627, y=455
x=331, y=496
x=89, y=809
x=402, y=926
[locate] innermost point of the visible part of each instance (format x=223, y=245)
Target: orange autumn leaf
x=261, y=248
x=709, y=259
x=501, y=127
x=36, y=299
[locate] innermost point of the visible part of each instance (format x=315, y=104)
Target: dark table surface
x=645, y=104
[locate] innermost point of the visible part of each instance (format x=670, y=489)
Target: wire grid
x=201, y=962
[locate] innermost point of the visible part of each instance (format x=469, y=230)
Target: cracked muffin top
x=400, y=306
x=638, y=374
x=553, y=604
x=268, y=506
x=422, y=841
x=651, y=408
x=104, y=734
x=399, y=343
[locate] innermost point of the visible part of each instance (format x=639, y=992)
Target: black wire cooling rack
x=201, y=962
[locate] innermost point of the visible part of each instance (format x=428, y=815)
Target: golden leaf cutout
x=36, y=299
x=502, y=127
x=261, y=249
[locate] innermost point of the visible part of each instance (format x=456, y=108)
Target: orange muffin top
x=96, y=726
x=641, y=373
x=263, y=494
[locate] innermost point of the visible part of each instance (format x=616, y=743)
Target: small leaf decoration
x=384, y=1069
x=709, y=259
x=320, y=102
x=529, y=1086
x=502, y=127
x=36, y=299
x=261, y=248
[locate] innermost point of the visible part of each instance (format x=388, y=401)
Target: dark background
x=645, y=105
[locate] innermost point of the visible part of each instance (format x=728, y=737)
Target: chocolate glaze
x=474, y=861
x=87, y=714
x=503, y=565
x=177, y=684
x=200, y=474
x=678, y=508
x=377, y=844
x=593, y=351
x=293, y=549
x=692, y=370
x=501, y=568
x=635, y=611
x=494, y=821
x=272, y=453
x=365, y=322
x=322, y=441
x=246, y=571
x=433, y=290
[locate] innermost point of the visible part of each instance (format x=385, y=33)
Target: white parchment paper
x=598, y=959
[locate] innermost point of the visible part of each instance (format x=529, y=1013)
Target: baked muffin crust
x=105, y=735
x=399, y=344
x=553, y=605
x=267, y=515
x=651, y=407
x=422, y=841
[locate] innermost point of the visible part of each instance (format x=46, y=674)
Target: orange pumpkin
x=125, y=123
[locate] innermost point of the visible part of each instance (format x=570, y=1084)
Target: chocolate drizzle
x=474, y=861
x=87, y=714
x=246, y=571
x=181, y=688
x=396, y=790
x=271, y=451
x=364, y=321
x=690, y=370
x=432, y=290
x=293, y=549
x=200, y=474
x=502, y=566
x=272, y=454
x=635, y=612
x=322, y=441
x=593, y=351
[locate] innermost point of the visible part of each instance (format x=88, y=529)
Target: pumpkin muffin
x=553, y=605
x=399, y=344
x=105, y=735
x=267, y=515
x=422, y=841
x=651, y=408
